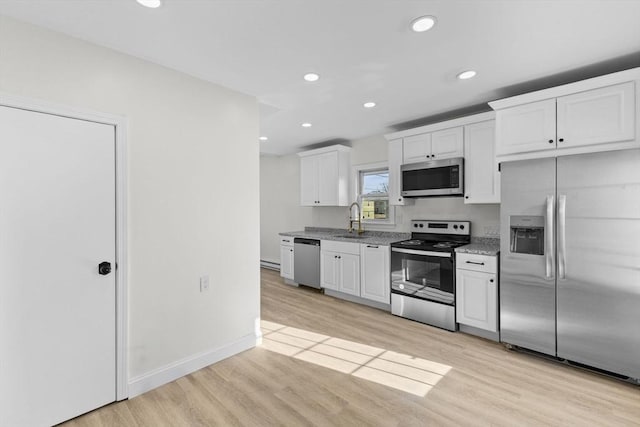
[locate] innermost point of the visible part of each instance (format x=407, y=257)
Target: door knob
x=104, y=268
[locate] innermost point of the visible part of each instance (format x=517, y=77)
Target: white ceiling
x=362, y=49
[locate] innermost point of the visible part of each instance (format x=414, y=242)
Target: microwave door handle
x=549, y=257
x=562, y=242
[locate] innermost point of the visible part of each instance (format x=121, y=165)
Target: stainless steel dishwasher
x=306, y=262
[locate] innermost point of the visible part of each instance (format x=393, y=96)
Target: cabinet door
x=476, y=299
x=329, y=270
x=309, y=181
x=481, y=176
x=395, y=174
x=328, y=179
x=525, y=128
x=375, y=275
x=447, y=143
x=349, y=282
x=597, y=116
x=286, y=261
x=417, y=148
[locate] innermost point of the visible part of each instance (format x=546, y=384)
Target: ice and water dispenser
x=527, y=234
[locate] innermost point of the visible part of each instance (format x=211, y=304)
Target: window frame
x=356, y=180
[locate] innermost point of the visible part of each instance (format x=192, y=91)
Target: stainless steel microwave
x=434, y=178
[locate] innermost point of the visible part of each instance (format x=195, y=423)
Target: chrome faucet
x=358, y=216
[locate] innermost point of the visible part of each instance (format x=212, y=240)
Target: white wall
x=192, y=146
x=368, y=150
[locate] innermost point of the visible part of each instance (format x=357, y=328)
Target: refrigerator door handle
x=562, y=246
x=548, y=238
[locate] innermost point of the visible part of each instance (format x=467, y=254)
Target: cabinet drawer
x=473, y=262
x=286, y=240
x=342, y=247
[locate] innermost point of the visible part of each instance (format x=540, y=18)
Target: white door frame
x=120, y=124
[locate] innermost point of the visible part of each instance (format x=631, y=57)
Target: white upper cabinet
x=447, y=143
x=481, y=176
x=598, y=114
x=417, y=148
x=395, y=176
x=529, y=127
x=309, y=181
x=441, y=144
x=324, y=176
x=328, y=179
x=471, y=137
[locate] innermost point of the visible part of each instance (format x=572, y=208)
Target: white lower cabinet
x=286, y=257
x=375, y=274
x=340, y=267
x=360, y=270
x=477, y=291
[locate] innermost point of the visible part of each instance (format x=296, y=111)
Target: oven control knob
x=461, y=227
x=455, y=226
x=415, y=225
x=421, y=225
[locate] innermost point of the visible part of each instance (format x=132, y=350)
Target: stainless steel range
x=423, y=272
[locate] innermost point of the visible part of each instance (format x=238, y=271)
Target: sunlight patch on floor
x=400, y=371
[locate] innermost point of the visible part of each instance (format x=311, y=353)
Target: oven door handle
x=424, y=253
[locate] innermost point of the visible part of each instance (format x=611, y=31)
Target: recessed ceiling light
x=263, y=138
x=424, y=23
x=466, y=74
x=150, y=3
x=369, y=104
x=311, y=77
x=306, y=125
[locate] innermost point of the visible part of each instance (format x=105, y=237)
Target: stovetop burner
x=446, y=245
x=440, y=236
x=414, y=242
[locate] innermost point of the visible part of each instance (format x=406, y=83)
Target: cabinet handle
x=473, y=262
x=561, y=140
x=339, y=257
x=372, y=246
x=433, y=155
x=290, y=250
x=551, y=141
x=286, y=240
x=466, y=197
x=491, y=280
x=400, y=199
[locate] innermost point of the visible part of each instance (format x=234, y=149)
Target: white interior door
x=57, y=223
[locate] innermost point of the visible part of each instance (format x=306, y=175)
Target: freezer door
x=527, y=276
x=599, y=260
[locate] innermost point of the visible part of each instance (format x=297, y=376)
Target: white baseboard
x=173, y=371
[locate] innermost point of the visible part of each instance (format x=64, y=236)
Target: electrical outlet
x=204, y=283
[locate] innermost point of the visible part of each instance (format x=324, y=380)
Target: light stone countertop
x=369, y=236
x=481, y=246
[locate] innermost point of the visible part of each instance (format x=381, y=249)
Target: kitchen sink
x=352, y=236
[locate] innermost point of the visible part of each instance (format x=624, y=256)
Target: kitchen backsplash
x=485, y=219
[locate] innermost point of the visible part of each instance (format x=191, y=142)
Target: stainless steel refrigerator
x=570, y=258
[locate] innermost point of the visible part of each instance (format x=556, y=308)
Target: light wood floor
x=486, y=385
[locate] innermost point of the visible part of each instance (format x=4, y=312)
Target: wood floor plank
x=472, y=381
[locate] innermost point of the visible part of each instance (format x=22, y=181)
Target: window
x=374, y=196
x=372, y=193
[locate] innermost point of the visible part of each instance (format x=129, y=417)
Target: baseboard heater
x=270, y=265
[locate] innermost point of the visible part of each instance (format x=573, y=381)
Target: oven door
x=422, y=274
